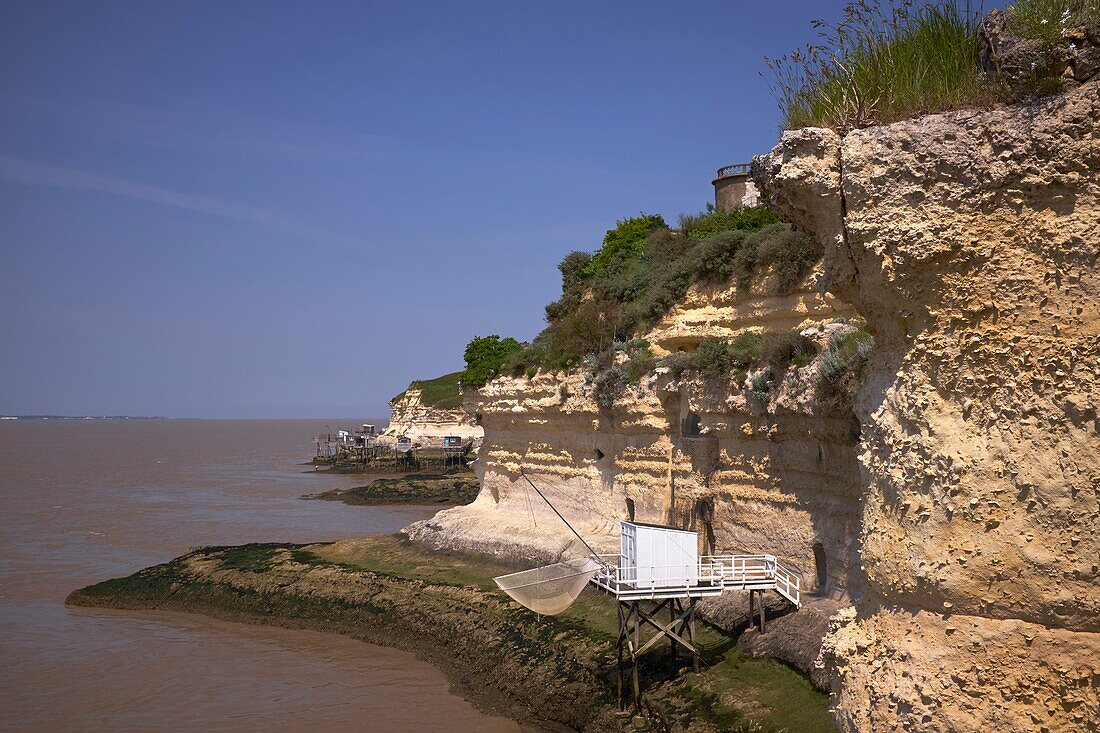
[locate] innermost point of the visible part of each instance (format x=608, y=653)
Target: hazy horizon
x=220, y=211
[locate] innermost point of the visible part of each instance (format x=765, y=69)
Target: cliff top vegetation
x=644, y=267
x=443, y=393
x=881, y=64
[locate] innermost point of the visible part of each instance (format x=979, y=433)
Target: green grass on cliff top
x=442, y=393
x=885, y=62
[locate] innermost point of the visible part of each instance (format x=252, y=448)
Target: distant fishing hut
x=404, y=450
x=454, y=450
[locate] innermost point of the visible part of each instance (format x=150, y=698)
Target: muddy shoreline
x=452, y=488
x=551, y=673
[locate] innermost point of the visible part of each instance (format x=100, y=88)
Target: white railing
x=710, y=576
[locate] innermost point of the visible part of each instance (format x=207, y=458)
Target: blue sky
x=291, y=210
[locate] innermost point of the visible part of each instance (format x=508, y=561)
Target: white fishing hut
x=657, y=572
x=657, y=556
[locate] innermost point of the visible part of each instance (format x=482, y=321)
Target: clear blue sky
x=289, y=210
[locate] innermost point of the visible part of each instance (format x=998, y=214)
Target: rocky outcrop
x=970, y=243
x=721, y=311
x=1006, y=56
x=427, y=424
x=773, y=474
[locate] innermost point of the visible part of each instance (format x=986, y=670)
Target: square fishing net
x=550, y=589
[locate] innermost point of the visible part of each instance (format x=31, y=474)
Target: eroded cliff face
x=970, y=243
x=428, y=425
x=776, y=474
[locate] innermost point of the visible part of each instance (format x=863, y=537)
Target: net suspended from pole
x=550, y=589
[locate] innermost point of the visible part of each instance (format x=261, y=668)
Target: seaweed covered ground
x=459, y=487
x=552, y=672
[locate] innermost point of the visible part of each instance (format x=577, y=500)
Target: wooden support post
x=691, y=635
x=634, y=656
x=762, y=613
x=752, y=611
x=619, y=653
x=672, y=610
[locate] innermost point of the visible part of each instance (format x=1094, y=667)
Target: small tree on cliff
x=485, y=357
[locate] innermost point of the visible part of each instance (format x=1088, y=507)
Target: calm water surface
x=88, y=500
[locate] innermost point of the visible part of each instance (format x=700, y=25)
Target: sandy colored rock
x=970, y=243
x=773, y=476
x=428, y=425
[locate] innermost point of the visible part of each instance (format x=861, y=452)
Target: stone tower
x=732, y=187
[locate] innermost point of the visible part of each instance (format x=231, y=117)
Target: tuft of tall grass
x=878, y=65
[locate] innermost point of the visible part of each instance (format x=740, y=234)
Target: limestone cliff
x=428, y=424
x=771, y=473
x=970, y=243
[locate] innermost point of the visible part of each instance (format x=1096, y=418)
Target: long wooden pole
x=567, y=524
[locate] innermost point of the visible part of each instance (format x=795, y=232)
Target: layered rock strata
x=775, y=474
x=426, y=424
x=970, y=242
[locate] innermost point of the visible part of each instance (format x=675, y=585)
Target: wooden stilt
x=634, y=652
x=672, y=611
x=691, y=635
x=762, y=613
x=752, y=611
x=619, y=653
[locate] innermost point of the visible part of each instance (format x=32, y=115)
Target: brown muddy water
x=89, y=500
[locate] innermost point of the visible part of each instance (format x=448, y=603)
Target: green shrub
x=677, y=363
x=712, y=358
x=723, y=359
x=623, y=242
x=840, y=370
x=761, y=385
x=738, y=218
x=608, y=385
x=644, y=269
x=746, y=349
x=485, y=358
x=880, y=65
x=789, y=348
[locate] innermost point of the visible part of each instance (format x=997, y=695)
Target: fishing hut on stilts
x=658, y=571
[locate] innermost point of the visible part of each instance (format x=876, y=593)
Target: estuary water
x=87, y=500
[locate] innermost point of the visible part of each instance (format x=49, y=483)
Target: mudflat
x=552, y=672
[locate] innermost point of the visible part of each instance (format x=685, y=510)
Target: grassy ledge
x=442, y=393
x=555, y=673
x=884, y=62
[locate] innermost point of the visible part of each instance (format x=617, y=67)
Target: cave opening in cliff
x=599, y=454
x=704, y=518
x=630, y=509
x=691, y=425
x=820, y=567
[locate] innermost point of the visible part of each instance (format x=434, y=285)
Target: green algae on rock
x=555, y=673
